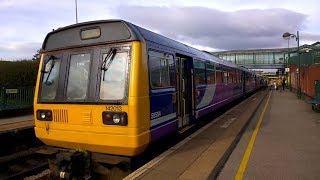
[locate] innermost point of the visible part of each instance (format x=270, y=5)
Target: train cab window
x=78, y=76
x=211, y=79
x=199, y=72
x=50, y=75
x=162, y=70
x=114, y=75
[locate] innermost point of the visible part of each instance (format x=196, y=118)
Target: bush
x=14, y=74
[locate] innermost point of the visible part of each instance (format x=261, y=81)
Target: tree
x=37, y=55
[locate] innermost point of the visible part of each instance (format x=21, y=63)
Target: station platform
x=200, y=155
x=14, y=124
x=271, y=135
x=282, y=143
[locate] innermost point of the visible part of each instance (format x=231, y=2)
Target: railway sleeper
x=80, y=164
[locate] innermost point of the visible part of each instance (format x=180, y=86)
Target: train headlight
x=114, y=118
x=44, y=115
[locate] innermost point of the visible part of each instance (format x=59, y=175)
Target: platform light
x=287, y=36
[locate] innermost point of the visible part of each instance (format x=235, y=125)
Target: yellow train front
x=87, y=95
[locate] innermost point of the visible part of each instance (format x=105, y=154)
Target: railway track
x=22, y=164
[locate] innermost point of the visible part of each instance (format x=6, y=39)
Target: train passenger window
x=225, y=77
x=230, y=76
x=199, y=72
x=247, y=78
x=50, y=78
x=224, y=71
x=234, y=76
x=172, y=71
x=238, y=76
x=211, y=74
x=219, y=74
x=78, y=76
x=162, y=70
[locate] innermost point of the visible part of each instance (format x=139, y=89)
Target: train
x=111, y=88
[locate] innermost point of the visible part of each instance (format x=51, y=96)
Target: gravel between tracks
x=43, y=175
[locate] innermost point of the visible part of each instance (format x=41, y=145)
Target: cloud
x=18, y=51
x=213, y=26
x=243, y=29
x=27, y=22
x=309, y=36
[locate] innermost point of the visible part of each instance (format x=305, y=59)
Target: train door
x=184, y=89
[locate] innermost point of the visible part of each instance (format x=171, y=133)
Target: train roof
x=119, y=31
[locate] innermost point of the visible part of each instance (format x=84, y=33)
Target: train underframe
x=81, y=164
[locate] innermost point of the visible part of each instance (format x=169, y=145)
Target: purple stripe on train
x=168, y=127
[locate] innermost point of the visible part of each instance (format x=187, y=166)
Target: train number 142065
x=113, y=108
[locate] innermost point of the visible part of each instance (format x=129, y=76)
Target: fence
x=18, y=98
x=306, y=58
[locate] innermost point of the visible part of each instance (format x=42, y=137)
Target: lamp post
x=76, y=3
x=287, y=36
x=287, y=65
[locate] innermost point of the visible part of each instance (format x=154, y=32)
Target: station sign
x=11, y=91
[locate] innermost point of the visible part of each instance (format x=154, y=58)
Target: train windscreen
x=98, y=74
x=113, y=76
x=50, y=76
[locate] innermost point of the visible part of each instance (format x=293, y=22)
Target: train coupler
x=72, y=164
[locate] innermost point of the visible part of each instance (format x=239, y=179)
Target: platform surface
x=287, y=145
x=16, y=123
x=197, y=156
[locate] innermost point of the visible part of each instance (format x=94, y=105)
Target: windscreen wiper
x=106, y=64
x=53, y=59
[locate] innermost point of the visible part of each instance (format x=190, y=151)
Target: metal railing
x=16, y=98
x=307, y=58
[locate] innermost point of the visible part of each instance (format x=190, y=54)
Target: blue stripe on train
x=161, y=106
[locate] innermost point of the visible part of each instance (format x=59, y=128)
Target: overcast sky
x=204, y=24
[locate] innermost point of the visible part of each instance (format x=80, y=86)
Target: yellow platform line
x=245, y=159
